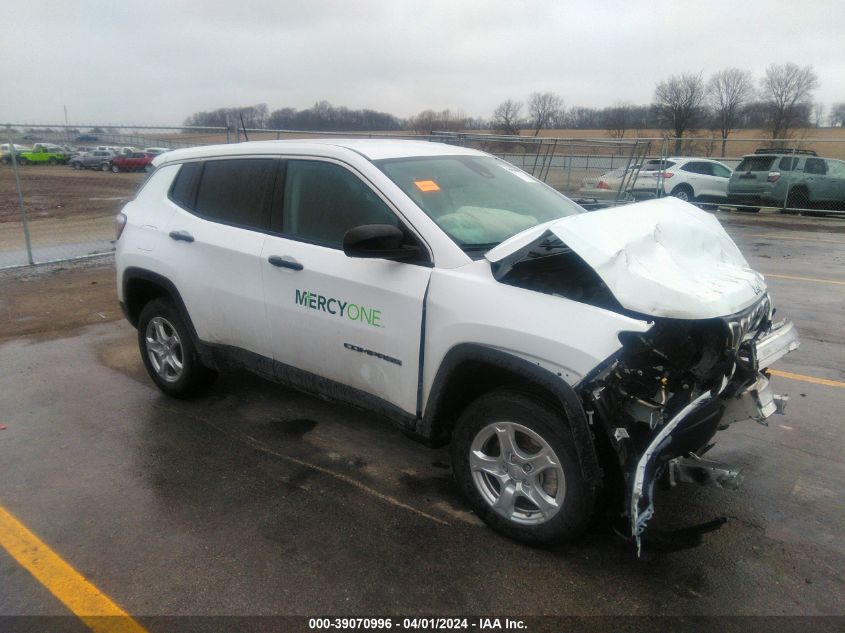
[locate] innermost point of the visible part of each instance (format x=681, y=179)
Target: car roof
x=372, y=149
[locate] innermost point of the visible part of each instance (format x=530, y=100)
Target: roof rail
x=784, y=150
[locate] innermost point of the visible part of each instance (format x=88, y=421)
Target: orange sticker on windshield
x=426, y=185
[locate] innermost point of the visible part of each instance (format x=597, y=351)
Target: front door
x=353, y=321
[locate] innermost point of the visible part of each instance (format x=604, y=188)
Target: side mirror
x=378, y=241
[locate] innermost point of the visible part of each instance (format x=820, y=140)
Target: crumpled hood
x=664, y=258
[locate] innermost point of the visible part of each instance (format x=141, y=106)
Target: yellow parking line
x=813, y=279
x=84, y=600
x=774, y=236
x=816, y=381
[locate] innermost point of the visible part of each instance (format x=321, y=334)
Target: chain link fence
x=50, y=211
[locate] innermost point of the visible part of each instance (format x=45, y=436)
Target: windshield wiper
x=475, y=248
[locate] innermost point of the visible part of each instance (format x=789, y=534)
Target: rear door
x=353, y=321
x=222, y=213
x=830, y=188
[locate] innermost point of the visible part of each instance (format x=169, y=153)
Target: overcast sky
x=156, y=62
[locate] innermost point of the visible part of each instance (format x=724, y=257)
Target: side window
x=836, y=168
x=237, y=191
x=787, y=163
x=697, y=168
x=720, y=170
x=323, y=201
x=815, y=166
x=185, y=185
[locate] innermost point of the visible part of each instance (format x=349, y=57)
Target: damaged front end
x=661, y=398
x=665, y=394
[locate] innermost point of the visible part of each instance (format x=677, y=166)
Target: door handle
x=280, y=262
x=181, y=236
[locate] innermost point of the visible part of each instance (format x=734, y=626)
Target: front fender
x=437, y=416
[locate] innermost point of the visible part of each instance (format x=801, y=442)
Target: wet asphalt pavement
x=255, y=499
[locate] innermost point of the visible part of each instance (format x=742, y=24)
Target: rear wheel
x=105, y=167
x=148, y=167
x=683, y=192
x=168, y=351
x=515, y=462
x=115, y=169
x=797, y=199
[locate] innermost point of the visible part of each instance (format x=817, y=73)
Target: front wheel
x=115, y=169
x=515, y=462
x=168, y=351
x=105, y=167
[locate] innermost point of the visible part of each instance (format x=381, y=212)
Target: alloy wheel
x=164, y=349
x=517, y=473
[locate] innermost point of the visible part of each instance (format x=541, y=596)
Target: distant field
x=699, y=143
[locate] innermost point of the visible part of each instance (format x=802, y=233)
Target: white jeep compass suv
x=563, y=354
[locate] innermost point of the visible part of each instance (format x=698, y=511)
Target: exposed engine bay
x=662, y=397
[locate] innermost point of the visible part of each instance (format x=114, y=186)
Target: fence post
x=789, y=182
x=14, y=158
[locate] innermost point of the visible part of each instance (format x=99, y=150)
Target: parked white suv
x=688, y=179
x=563, y=354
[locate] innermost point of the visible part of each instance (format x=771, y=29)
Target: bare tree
x=818, y=113
x=543, y=108
x=617, y=119
x=837, y=115
x=507, y=117
x=429, y=121
x=787, y=89
x=678, y=102
x=728, y=91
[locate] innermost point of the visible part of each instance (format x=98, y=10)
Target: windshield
x=479, y=201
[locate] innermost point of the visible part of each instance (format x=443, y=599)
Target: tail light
x=774, y=176
x=602, y=185
x=667, y=175
x=119, y=225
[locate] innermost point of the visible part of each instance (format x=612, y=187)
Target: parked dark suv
x=794, y=180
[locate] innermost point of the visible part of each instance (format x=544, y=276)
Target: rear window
x=185, y=184
x=657, y=165
x=756, y=163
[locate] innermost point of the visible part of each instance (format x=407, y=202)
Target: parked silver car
x=97, y=159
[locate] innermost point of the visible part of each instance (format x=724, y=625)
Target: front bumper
x=754, y=401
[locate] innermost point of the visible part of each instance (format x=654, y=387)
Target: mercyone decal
x=370, y=352
x=336, y=307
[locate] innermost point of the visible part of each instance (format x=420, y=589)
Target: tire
x=23, y=161
x=76, y=166
x=148, y=167
x=168, y=351
x=683, y=192
x=115, y=169
x=105, y=167
x=532, y=427
x=53, y=161
x=798, y=198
